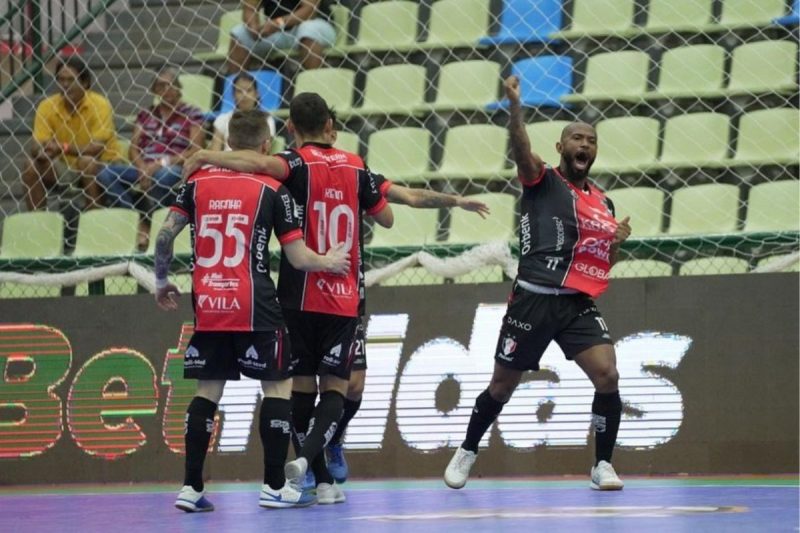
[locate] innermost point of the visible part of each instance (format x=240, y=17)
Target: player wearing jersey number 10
x=239, y=326
x=569, y=240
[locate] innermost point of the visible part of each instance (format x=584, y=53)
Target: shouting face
x=578, y=149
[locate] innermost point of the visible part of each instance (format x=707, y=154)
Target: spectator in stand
x=291, y=24
x=164, y=135
x=246, y=97
x=73, y=137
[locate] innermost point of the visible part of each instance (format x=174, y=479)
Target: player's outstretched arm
x=424, y=198
x=166, y=291
x=384, y=217
x=301, y=257
x=620, y=236
x=241, y=160
x=529, y=164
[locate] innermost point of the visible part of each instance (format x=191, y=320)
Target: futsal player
x=239, y=327
x=569, y=239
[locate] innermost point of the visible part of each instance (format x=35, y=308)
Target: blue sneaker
x=191, y=501
x=309, y=483
x=337, y=466
x=286, y=496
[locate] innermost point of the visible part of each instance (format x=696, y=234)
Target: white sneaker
x=191, y=501
x=295, y=470
x=457, y=472
x=286, y=496
x=327, y=493
x=605, y=478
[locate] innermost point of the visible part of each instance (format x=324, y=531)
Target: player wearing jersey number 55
x=239, y=327
x=568, y=241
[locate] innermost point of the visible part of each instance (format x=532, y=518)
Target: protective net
x=695, y=103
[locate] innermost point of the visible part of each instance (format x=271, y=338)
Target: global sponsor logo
x=592, y=271
x=216, y=282
x=219, y=304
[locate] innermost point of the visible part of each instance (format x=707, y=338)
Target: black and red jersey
x=232, y=217
x=331, y=188
x=565, y=234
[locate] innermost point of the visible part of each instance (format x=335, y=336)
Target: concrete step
x=99, y=59
x=197, y=39
x=160, y=16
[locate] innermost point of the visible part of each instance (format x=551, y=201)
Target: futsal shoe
x=309, y=483
x=191, y=501
x=337, y=465
x=327, y=493
x=286, y=496
x=457, y=472
x=296, y=470
x=605, y=478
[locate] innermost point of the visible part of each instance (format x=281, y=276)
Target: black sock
x=320, y=469
x=275, y=428
x=323, y=424
x=606, y=413
x=483, y=415
x=350, y=409
x=198, y=428
x=302, y=407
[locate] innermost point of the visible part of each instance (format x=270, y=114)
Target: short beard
x=574, y=175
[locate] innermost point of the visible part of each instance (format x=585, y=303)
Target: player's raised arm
x=166, y=291
x=241, y=160
x=529, y=164
x=425, y=198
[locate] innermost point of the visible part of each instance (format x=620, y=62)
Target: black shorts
x=322, y=344
x=533, y=320
x=262, y=355
x=360, y=347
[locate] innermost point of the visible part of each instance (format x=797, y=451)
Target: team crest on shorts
x=507, y=347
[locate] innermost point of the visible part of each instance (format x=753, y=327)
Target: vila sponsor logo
x=221, y=304
x=337, y=289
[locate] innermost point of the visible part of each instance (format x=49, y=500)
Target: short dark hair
x=309, y=112
x=79, y=66
x=248, y=130
x=244, y=75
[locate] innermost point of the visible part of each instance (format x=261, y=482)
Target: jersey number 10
x=328, y=226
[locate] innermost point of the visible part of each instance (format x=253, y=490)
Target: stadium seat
x=469, y=228
x=709, y=208
x=113, y=286
x=773, y=259
x=340, y=15
x=278, y=144
x=226, y=24
x=641, y=268
x=774, y=206
x=677, y=16
x=792, y=18
x=465, y=85
x=32, y=234
x=484, y=274
x=645, y=206
x=526, y=21
x=472, y=151
x=749, y=13
x=389, y=25
x=270, y=90
x=598, y=18
x=768, y=137
x=696, y=140
x=626, y=144
x=108, y=231
x=543, y=137
x=183, y=242
x=198, y=90
x=543, y=81
x=618, y=76
x=709, y=266
x=348, y=141
x=455, y=23
x=393, y=90
x=412, y=227
x=690, y=71
x=763, y=67
x=413, y=276
x=335, y=85
x=401, y=154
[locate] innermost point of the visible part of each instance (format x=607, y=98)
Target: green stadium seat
x=465, y=85
x=618, y=76
x=677, y=16
x=641, y=268
x=455, y=23
x=198, y=90
x=184, y=282
x=278, y=144
x=21, y=290
x=774, y=206
x=335, y=85
x=183, y=242
x=709, y=208
x=348, y=142
x=340, y=15
x=413, y=276
x=389, y=25
x=598, y=18
x=412, y=227
x=109, y=231
x=473, y=151
x=32, y=234
x=645, y=206
x=773, y=259
x=696, y=140
x=749, y=13
x=393, y=90
x=401, y=154
x=763, y=67
x=484, y=274
x=113, y=286
x=709, y=266
x=690, y=71
x=226, y=24
x=768, y=137
x=469, y=228
x=626, y=144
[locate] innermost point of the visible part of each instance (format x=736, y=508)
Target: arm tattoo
x=426, y=198
x=520, y=144
x=173, y=225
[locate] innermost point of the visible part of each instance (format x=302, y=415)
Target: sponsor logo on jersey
x=262, y=259
x=216, y=282
x=525, y=234
x=221, y=304
x=599, y=248
x=592, y=271
x=337, y=289
x=559, y=233
x=288, y=207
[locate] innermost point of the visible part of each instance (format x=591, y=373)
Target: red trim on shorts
x=291, y=236
x=378, y=207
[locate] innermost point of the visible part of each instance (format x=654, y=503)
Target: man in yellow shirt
x=73, y=137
